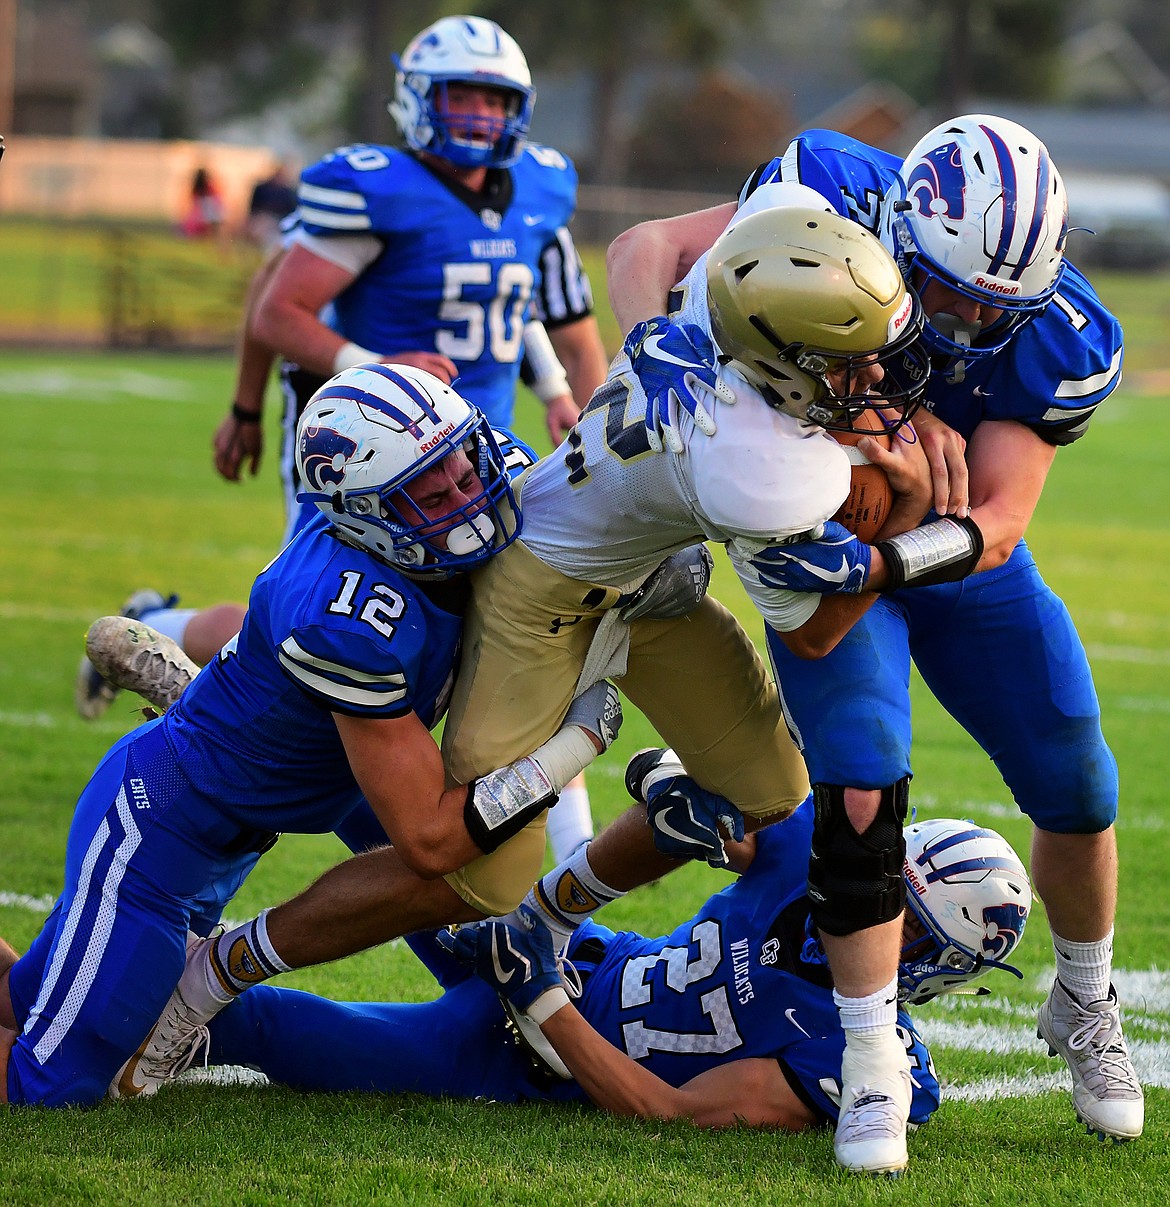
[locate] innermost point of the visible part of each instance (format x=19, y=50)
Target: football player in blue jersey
x=1023, y=353
x=453, y=254
x=438, y=254
x=727, y=1021
x=322, y=705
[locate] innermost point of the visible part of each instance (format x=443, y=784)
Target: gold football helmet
x=812, y=309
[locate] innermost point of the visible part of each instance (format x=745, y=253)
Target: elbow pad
x=940, y=552
x=501, y=804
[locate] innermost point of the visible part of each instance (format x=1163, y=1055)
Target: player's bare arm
x=750, y=1092
x=400, y=770
x=579, y=348
x=240, y=436
x=1009, y=465
x=287, y=319
x=644, y=263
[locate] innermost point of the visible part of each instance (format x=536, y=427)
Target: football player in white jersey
x=607, y=510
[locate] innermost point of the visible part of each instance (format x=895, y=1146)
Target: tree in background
x=715, y=129
x=941, y=52
x=612, y=39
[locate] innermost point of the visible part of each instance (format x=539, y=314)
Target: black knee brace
x=855, y=880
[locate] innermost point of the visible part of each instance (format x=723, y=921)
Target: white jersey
x=605, y=508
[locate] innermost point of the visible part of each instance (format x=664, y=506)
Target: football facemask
x=366, y=439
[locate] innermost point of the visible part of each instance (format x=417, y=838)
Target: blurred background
x=112, y=108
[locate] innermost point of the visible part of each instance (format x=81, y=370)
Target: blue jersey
x=741, y=979
x=1054, y=371
x=329, y=628
x=460, y=272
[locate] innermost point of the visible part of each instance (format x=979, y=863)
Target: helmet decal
x=1004, y=927
x=323, y=456
x=937, y=183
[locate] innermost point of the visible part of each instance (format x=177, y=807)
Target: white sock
x=170, y=622
x=241, y=957
x=1084, y=969
x=569, y=894
x=570, y=823
x=868, y=1016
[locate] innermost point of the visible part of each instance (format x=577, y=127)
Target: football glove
x=674, y=589
x=675, y=362
x=520, y=965
x=835, y=563
x=688, y=821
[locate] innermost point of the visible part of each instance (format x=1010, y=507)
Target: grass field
x=106, y=485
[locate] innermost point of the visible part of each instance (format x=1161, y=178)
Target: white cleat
x=875, y=1113
x=1107, y=1095
x=126, y=653
x=175, y=1043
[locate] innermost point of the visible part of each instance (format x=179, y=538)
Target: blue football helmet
x=367, y=434
x=970, y=894
x=466, y=50
x=981, y=208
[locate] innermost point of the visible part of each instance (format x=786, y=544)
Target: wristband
x=549, y=380
x=242, y=416
x=501, y=804
x=941, y=552
x=545, y=1006
x=350, y=354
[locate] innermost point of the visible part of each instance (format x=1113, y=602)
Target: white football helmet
x=981, y=208
x=371, y=431
x=469, y=50
x=970, y=892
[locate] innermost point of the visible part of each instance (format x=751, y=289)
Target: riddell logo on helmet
x=912, y=878
x=427, y=445
x=902, y=317
x=995, y=286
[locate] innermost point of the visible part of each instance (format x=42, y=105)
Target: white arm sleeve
x=354, y=253
x=783, y=610
x=549, y=379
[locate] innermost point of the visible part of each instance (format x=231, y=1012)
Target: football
x=870, y=497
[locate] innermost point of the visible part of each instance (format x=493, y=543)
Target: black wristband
x=943, y=551
x=242, y=416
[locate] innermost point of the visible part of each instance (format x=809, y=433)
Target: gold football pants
x=698, y=679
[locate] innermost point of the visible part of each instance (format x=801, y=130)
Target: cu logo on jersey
x=324, y=456
x=1002, y=927
x=937, y=184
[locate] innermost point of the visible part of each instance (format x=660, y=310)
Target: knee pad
x=855, y=880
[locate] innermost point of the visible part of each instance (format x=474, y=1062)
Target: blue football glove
x=691, y=823
x=520, y=965
x=688, y=821
x=675, y=362
x=836, y=563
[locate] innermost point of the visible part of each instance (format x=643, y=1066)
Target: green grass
x=106, y=485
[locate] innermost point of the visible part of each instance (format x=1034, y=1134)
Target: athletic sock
x=567, y=895
x=170, y=622
x=871, y=1015
x=1084, y=969
x=570, y=822
x=241, y=957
